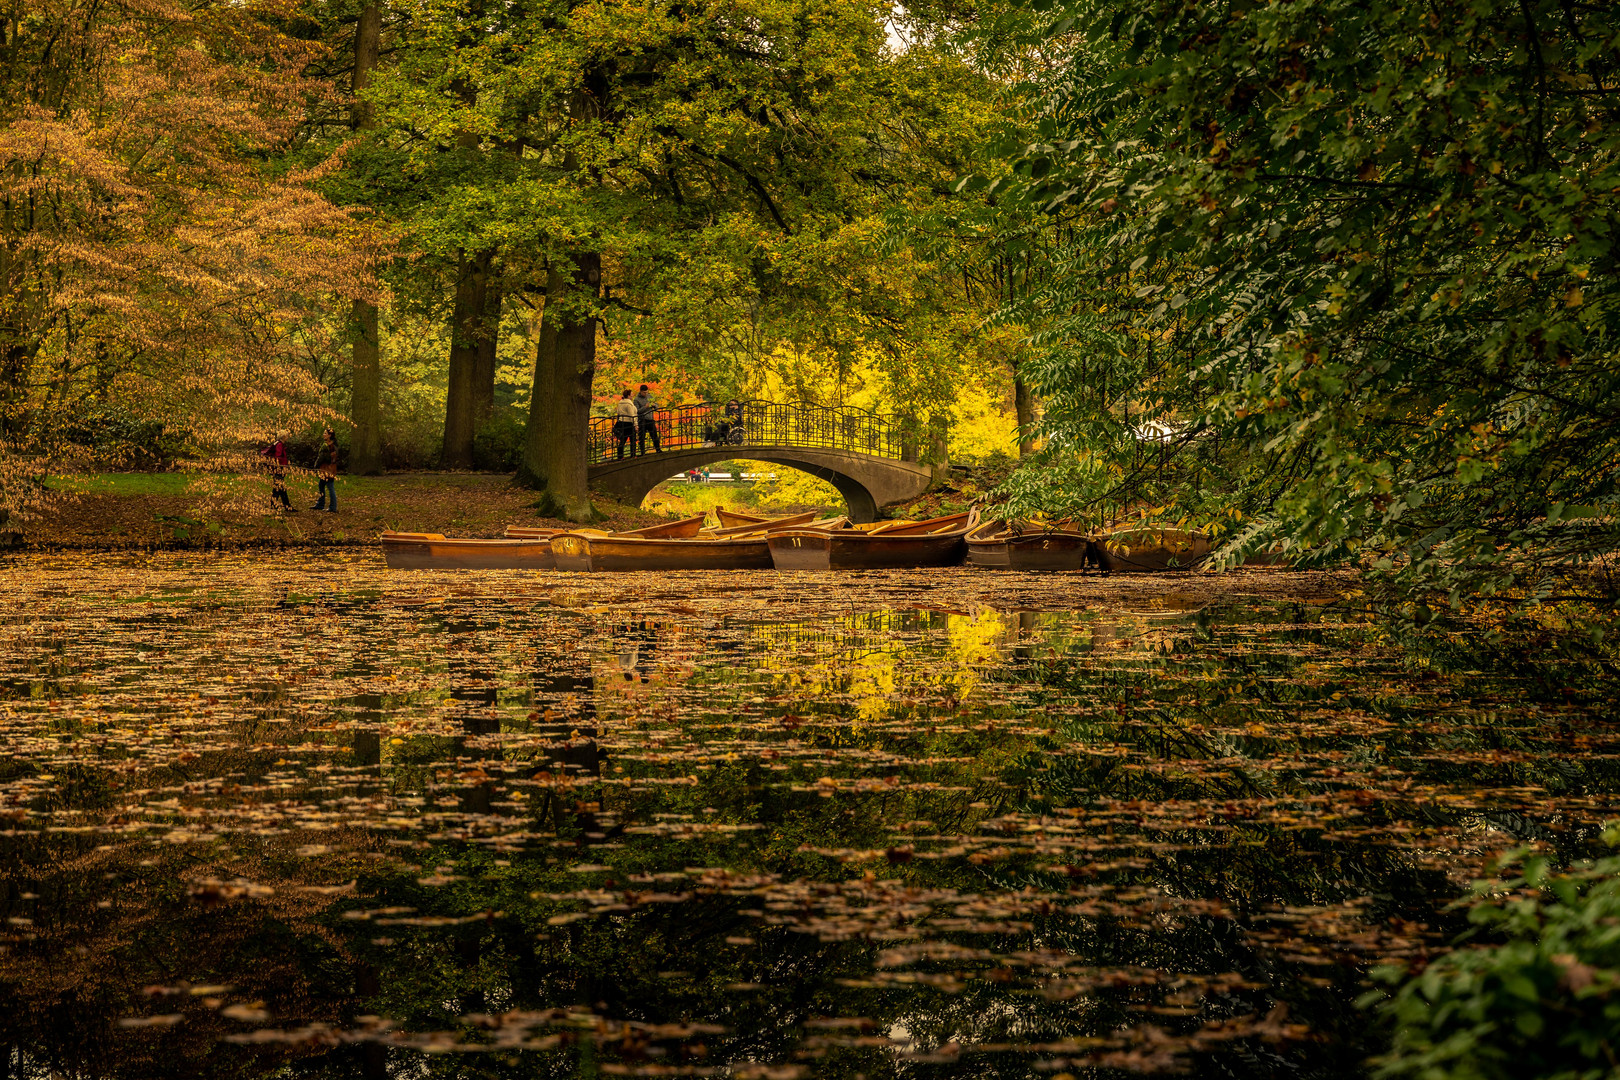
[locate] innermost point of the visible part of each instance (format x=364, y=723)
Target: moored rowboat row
x=885, y=545
x=743, y=542
x=739, y=547
x=1060, y=546
x=521, y=549
x=802, y=542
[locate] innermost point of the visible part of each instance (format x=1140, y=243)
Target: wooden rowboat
x=888, y=545
x=434, y=551
x=684, y=527
x=741, y=547
x=1005, y=545
x=680, y=545
x=731, y=519
x=1125, y=551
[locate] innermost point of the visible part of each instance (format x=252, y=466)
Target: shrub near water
x=1544, y=1004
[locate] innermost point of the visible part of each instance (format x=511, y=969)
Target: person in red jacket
x=277, y=453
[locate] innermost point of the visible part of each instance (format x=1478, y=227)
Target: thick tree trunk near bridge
x=556, y=452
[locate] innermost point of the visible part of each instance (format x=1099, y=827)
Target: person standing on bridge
x=646, y=421
x=624, y=425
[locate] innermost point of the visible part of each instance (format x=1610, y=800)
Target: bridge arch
x=866, y=482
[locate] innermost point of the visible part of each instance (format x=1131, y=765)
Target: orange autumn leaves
x=172, y=251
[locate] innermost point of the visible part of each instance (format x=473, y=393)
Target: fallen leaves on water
x=1086, y=823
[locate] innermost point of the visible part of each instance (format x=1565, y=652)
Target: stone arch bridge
x=859, y=453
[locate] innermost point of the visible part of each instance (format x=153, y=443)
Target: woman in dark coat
x=326, y=470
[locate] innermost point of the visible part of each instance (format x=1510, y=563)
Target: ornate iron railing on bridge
x=763, y=424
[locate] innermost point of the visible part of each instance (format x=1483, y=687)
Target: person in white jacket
x=624, y=424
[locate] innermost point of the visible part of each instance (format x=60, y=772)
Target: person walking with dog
x=646, y=421
x=624, y=425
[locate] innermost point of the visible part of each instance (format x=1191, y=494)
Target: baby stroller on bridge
x=728, y=430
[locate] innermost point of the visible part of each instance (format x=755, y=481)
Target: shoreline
x=160, y=512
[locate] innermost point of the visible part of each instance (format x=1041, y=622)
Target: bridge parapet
x=764, y=424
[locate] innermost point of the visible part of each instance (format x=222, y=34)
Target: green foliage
x=793, y=489
x=1357, y=257
x=111, y=432
x=734, y=168
x=1544, y=1004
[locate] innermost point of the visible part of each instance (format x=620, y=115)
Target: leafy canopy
x=1356, y=257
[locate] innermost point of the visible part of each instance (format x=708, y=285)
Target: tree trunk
x=538, y=432
x=466, y=332
x=556, y=449
x=365, y=409
x=1024, y=407
x=367, y=41
x=488, y=341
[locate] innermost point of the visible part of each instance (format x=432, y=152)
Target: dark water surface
x=305, y=816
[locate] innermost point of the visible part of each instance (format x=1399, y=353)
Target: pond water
x=301, y=815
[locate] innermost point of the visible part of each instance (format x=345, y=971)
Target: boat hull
x=857, y=551
x=989, y=554
x=675, y=547
x=800, y=551
x=612, y=555
x=1151, y=550
x=1036, y=551
x=452, y=554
